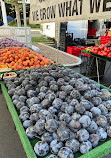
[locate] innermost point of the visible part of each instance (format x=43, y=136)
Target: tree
x=17, y=9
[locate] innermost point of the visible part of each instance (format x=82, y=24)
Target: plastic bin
x=83, y=48
x=105, y=39
x=76, y=54
x=76, y=51
x=13, y=75
x=70, y=50
x=73, y=50
x=92, y=32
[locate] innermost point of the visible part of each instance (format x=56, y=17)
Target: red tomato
x=105, y=48
x=109, y=55
x=96, y=48
x=99, y=52
x=101, y=48
x=95, y=52
x=104, y=54
x=92, y=50
x=108, y=51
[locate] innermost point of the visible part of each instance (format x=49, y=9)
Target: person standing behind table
x=106, y=33
x=108, y=26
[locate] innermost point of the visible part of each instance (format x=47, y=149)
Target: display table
x=103, y=149
x=98, y=57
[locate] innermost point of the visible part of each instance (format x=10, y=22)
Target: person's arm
x=110, y=25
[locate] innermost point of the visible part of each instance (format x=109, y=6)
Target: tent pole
x=25, y=21
x=4, y=14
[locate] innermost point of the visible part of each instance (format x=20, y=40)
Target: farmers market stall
x=57, y=112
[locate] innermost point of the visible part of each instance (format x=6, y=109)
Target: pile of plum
x=7, y=42
x=69, y=112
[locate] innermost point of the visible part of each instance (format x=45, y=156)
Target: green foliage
x=14, y=24
x=40, y=39
x=13, y=2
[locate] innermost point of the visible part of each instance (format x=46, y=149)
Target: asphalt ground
x=10, y=144
x=35, y=33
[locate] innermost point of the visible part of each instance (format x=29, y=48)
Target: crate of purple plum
x=63, y=114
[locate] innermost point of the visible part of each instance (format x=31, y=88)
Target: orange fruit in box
x=3, y=66
x=27, y=58
x=4, y=61
x=31, y=63
x=5, y=57
x=11, y=59
x=25, y=63
x=26, y=54
x=22, y=58
x=16, y=57
x=8, y=60
x=12, y=62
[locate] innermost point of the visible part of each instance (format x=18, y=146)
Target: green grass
x=40, y=39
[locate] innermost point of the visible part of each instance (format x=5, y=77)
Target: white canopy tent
x=4, y=14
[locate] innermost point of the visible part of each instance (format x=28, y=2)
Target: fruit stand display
x=69, y=113
x=75, y=115
x=18, y=58
x=102, y=51
x=15, y=56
